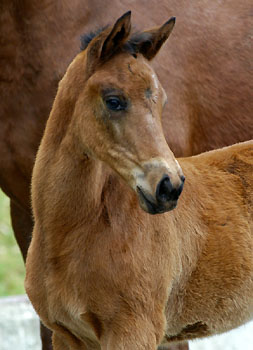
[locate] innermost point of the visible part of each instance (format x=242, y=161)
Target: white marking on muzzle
x=139, y=174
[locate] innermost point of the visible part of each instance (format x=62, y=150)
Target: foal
x=102, y=272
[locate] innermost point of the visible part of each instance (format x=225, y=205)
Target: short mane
x=87, y=38
x=131, y=46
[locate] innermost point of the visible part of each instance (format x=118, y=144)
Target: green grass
x=12, y=271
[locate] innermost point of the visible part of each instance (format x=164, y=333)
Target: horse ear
x=117, y=37
x=108, y=42
x=154, y=39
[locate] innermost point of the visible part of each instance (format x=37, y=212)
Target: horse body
x=104, y=274
x=215, y=295
x=101, y=272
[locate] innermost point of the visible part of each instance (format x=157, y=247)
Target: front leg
x=133, y=343
x=137, y=334
x=132, y=334
x=63, y=339
x=59, y=343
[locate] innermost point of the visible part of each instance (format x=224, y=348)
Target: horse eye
x=115, y=104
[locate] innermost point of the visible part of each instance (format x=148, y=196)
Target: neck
x=84, y=190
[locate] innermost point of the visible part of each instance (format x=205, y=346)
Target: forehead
x=126, y=73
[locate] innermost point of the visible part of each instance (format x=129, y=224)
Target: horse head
x=118, y=112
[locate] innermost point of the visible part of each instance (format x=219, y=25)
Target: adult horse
x=206, y=72
x=101, y=272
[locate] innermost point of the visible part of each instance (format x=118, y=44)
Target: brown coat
x=101, y=271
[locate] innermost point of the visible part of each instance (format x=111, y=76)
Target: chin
x=154, y=209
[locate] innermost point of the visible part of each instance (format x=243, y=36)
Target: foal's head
x=119, y=108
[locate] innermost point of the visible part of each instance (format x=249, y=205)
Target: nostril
x=166, y=192
x=164, y=189
x=182, y=178
x=180, y=189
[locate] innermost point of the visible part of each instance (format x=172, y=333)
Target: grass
x=12, y=271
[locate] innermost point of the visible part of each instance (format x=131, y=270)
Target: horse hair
x=131, y=46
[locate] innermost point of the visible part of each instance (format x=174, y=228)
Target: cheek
x=149, y=121
x=117, y=132
x=122, y=131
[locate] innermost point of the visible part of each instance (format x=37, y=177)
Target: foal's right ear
x=109, y=41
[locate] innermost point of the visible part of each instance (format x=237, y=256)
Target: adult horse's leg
x=46, y=338
x=22, y=226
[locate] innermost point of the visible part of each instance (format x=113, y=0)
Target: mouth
x=153, y=208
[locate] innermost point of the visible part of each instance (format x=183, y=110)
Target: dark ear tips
x=172, y=19
x=124, y=18
x=127, y=14
x=170, y=23
x=125, y=21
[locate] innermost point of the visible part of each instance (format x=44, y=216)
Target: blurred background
x=12, y=271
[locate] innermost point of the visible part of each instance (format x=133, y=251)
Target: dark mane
x=132, y=45
x=86, y=38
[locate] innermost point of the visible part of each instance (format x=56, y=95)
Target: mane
x=87, y=38
x=131, y=46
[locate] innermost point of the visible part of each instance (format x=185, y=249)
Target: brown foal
x=102, y=272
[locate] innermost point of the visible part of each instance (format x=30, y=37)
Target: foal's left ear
x=154, y=39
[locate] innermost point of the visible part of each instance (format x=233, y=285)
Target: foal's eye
x=115, y=103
